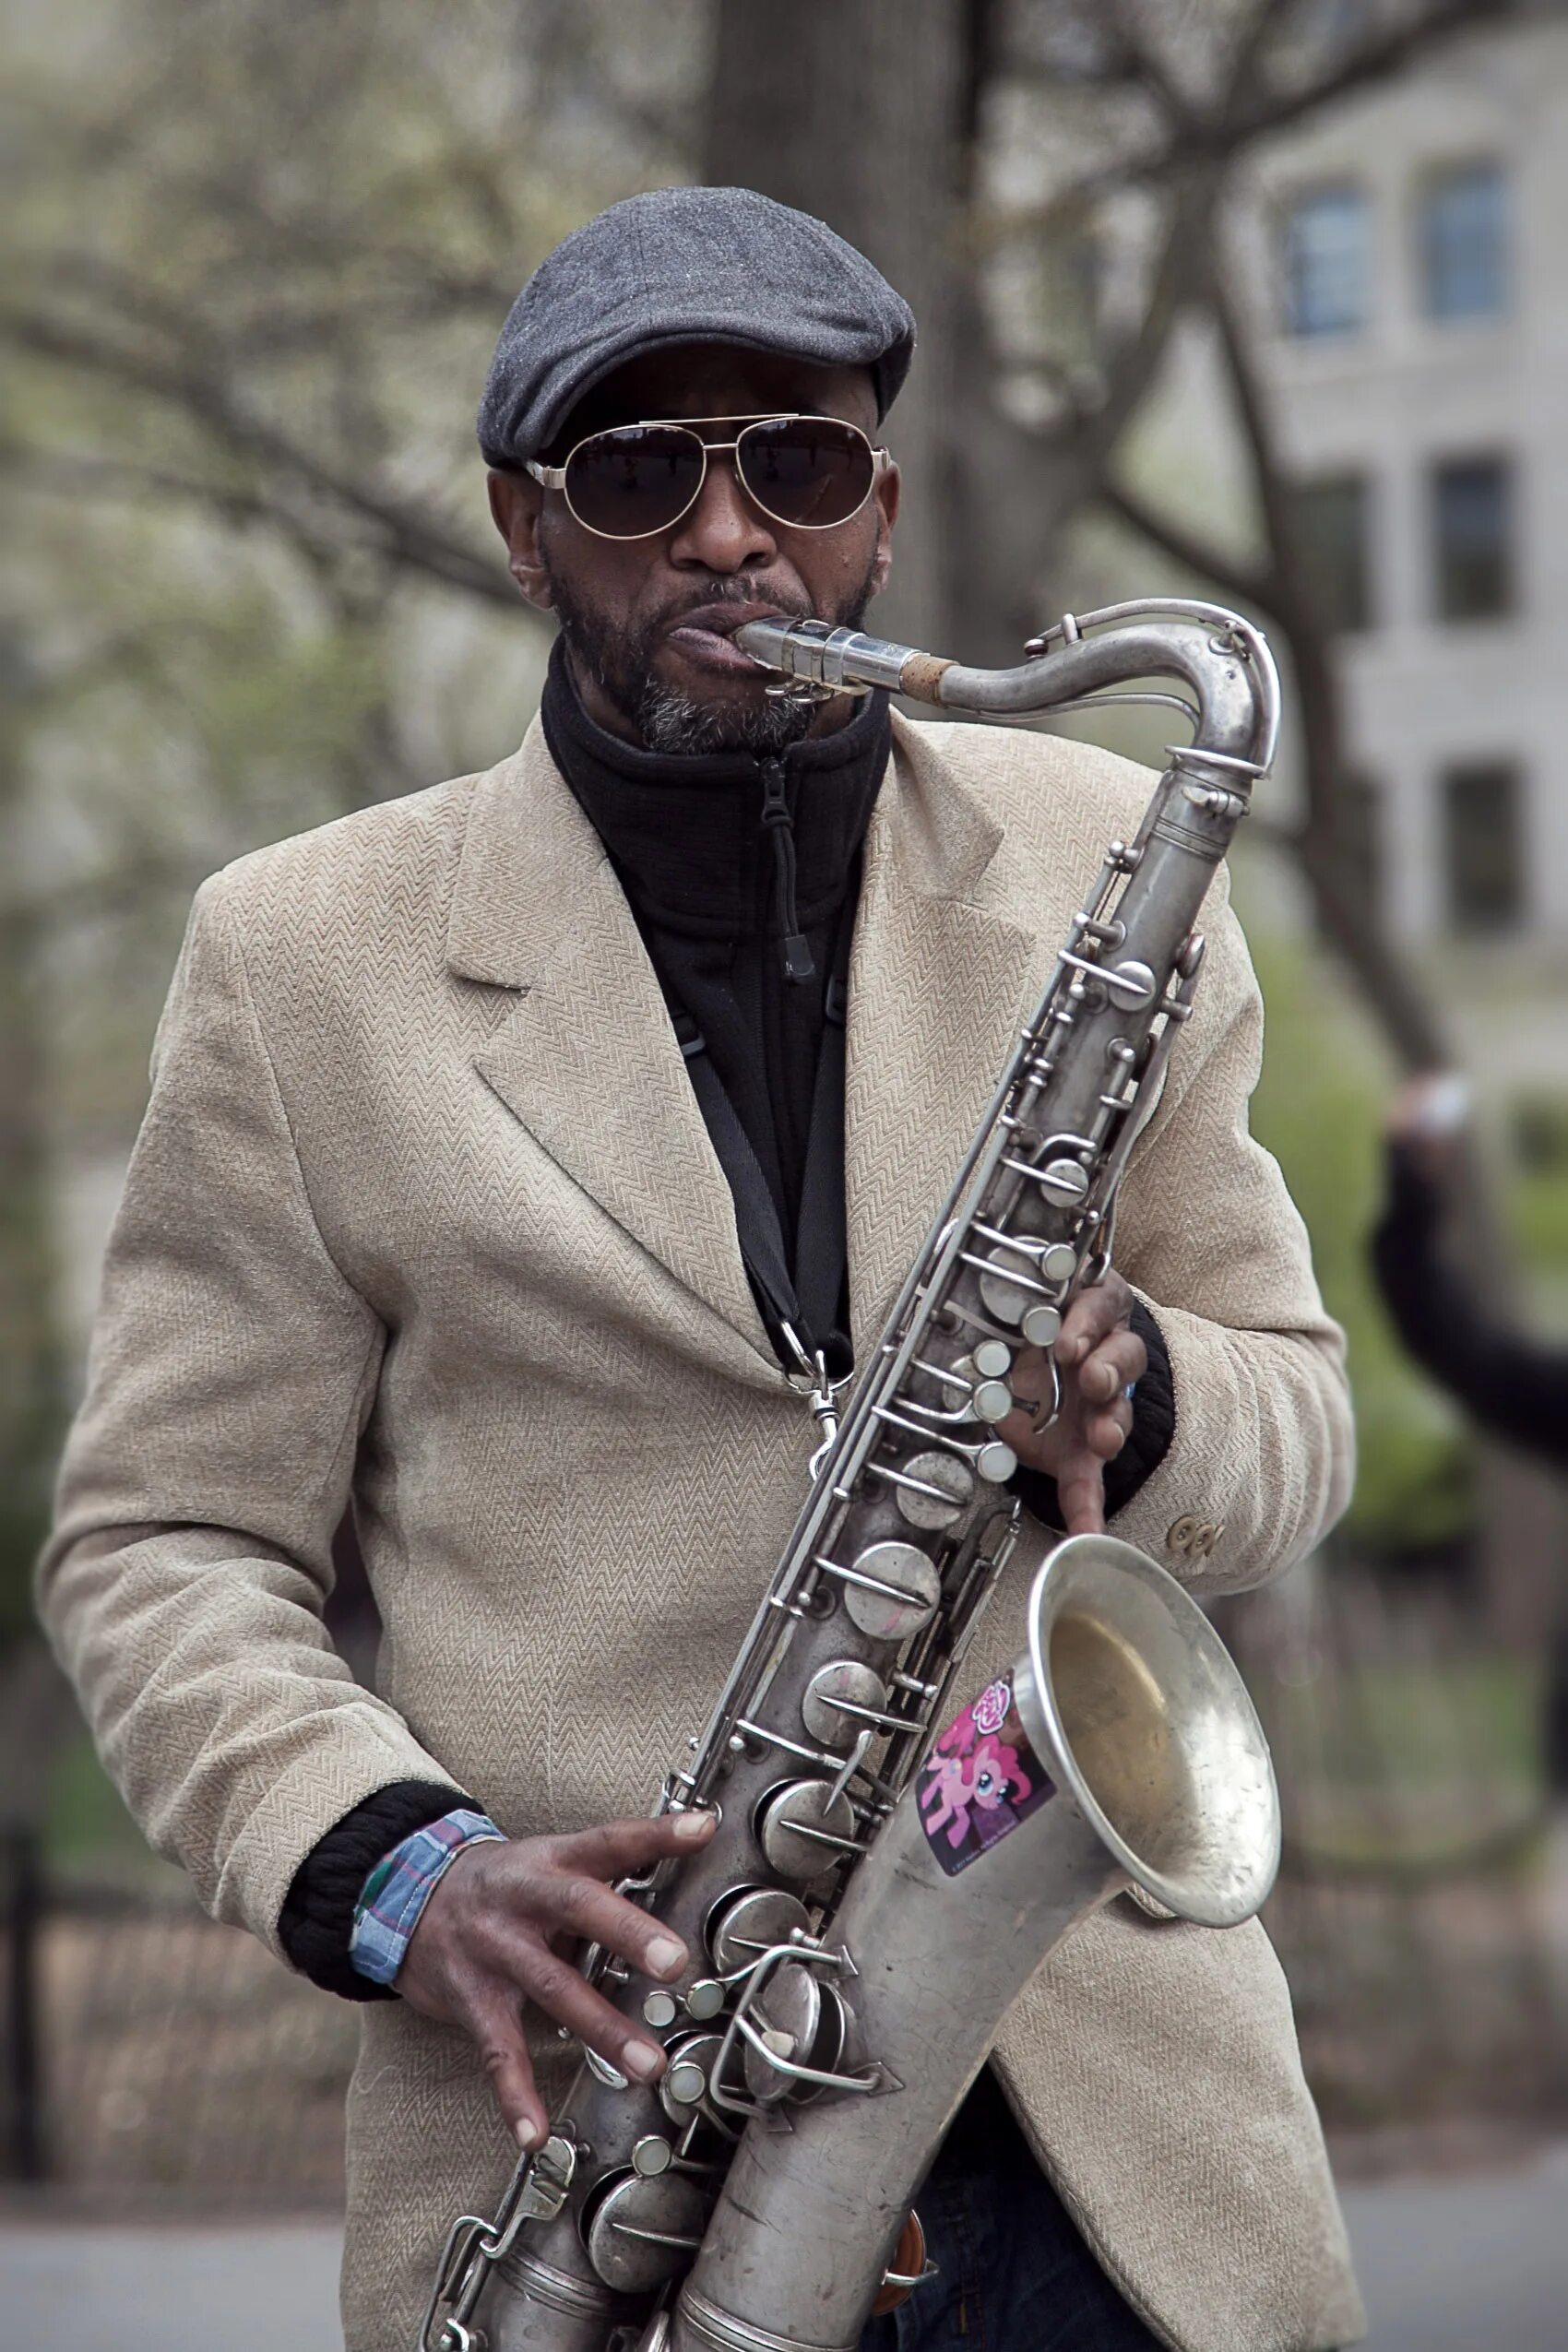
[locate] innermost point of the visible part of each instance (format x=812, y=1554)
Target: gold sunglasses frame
x=555, y=477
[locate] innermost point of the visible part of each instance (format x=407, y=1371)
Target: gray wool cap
x=685, y=266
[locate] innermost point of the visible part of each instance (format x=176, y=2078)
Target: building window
x=1483, y=846
x=1332, y=515
x=1463, y=242
x=1472, y=506
x=1327, y=262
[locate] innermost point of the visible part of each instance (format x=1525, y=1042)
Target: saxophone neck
x=1223, y=660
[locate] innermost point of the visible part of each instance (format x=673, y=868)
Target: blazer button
x=1183, y=1534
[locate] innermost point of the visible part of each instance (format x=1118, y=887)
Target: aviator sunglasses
x=809, y=473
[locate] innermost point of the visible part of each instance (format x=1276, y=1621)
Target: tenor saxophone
x=890, y=1868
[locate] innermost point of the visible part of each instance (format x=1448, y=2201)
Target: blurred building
x=1413, y=323
x=1417, y=358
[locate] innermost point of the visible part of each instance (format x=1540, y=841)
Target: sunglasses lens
x=636, y=480
x=808, y=471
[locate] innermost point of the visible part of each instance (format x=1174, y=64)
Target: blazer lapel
x=588, y=1061
x=939, y=982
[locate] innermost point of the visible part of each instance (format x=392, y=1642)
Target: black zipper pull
x=797, y=963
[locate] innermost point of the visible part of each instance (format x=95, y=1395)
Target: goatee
x=619, y=662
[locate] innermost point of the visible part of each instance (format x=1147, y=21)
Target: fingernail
x=531, y=2135
x=665, y=1956
x=642, y=2059
x=690, y=1826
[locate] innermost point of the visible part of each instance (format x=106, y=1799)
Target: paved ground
x=1478, y=2264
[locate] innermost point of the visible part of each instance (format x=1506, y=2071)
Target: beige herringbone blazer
x=423, y=1210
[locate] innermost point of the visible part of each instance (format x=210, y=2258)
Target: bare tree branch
x=1238, y=583
x=1256, y=114
x=411, y=536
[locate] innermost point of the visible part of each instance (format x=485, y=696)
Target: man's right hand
x=497, y=1929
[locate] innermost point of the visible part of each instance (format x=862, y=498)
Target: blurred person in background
x=425, y=1220
x=1513, y=1385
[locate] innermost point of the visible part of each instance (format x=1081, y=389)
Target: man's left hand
x=1098, y=1356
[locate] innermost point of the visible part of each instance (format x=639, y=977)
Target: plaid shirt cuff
x=397, y=1891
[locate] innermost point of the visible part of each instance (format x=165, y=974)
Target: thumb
x=1080, y=1491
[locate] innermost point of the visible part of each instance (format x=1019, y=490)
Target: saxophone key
x=804, y=1826
x=891, y=1591
x=933, y=1489
x=1041, y=1325
x=642, y=2231
x=685, y=2080
x=784, y=2025
x=800, y=2028
x=840, y=1698
x=750, y=1920
x=996, y=1463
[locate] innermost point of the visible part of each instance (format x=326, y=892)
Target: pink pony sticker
x=981, y=1780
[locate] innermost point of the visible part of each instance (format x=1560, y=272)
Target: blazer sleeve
x=1261, y=1457
x=232, y=1371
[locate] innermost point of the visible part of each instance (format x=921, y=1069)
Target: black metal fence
x=1422, y=1917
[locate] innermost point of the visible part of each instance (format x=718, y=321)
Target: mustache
x=740, y=589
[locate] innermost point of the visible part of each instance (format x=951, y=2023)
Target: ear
x=516, y=505
x=887, y=494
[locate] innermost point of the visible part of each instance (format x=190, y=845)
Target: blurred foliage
x=1319, y=1109
x=1538, y=1200
x=248, y=580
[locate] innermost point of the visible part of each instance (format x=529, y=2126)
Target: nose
x=723, y=532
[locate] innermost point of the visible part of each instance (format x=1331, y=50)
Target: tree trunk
x=32, y=1378
x=854, y=110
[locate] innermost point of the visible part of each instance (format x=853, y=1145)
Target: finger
x=1106, y=1433
x=1092, y=1315
x=1080, y=1494
x=496, y=2028
x=617, y=1849
x=1115, y=1363
x=556, y=1988
x=572, y=1904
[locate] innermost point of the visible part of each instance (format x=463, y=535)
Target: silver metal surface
x=803, y=1827
x=841, y=1698
x=751, y=1922
x=1160, y=1771
x=892, y=1591
x=899, y=1545
x=642, y=2231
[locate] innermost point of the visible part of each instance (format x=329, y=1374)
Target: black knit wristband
x=317, y=1918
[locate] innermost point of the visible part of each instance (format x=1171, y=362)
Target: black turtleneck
x=741, y=944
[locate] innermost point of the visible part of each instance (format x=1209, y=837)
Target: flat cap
x=685, y=266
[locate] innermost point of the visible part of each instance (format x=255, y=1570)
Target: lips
x=705, y=635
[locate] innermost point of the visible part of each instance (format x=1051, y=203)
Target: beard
x=620, y=661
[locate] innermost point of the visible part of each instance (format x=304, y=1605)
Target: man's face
x=648, y=622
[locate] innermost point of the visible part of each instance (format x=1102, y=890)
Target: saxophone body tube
x=1122, y=1749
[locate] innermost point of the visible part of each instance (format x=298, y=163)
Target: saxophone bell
x=1121, y=1749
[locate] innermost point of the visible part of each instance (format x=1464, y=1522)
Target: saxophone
x=891, y=1870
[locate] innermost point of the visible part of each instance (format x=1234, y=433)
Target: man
x=427, y=1215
